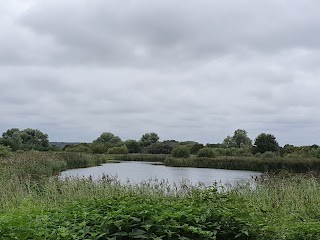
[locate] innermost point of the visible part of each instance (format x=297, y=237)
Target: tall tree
x=108, y=138
x=26, y=139
x=241, y=139
x=266, y=142
x=149, y=138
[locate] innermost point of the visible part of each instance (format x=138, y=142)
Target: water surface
x=137, y=172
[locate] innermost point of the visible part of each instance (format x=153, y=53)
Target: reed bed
x=296, y=165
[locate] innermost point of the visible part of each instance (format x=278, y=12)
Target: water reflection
x=137, y=172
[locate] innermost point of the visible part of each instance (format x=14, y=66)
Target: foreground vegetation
x=36, y=205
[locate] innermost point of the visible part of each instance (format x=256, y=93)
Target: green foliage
x=239, y=139
x=142, y=157
x=278, y=208
x=269, y=154
x=266, y=142
x=35, y=205
x=296, y=165
x=206, y=152
x=315, y=152
x=229, y=142
x=108, y=138
x=148, y=138
x=100, y=148
x=118, y=150
x=195, y=148
x=158, y=148
x=181, y=151
x=27, y=139
x=133, y=146
x=34, y=139
x=83, y=147
x=5, y=151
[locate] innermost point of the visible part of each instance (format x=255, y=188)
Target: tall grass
x=249, y=163
x=37, y=165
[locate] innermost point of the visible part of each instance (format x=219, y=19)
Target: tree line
x=239, y=144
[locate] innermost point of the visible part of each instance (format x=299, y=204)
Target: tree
x=34, y=139
x=133, y=146
x=229, y=142
x=148, y=138
x=105, y=141
x=158, y=148
x=26, y=139
x=108, y=138
x=12, y=139
x=266, y=142
x=239, y=139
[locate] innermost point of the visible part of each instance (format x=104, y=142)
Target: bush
x=269, y=154
x=5, y=151
x=158, y=148
x=206, y=152
x=315, y=153
x=118, y=150
x=181, y=152
x=79, y=148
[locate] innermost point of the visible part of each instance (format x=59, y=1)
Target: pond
x=137, y=172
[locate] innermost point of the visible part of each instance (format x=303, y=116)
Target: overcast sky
x=187, y=70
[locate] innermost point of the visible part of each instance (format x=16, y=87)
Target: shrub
x=195, y=148
x=158, y=148
x=5, y=151
x=118, y=150
x=181, y=152
x=315, y=153
x=206, y=152
x=269, y=154
x=78, y=148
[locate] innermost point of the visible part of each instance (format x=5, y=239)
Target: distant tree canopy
x=25, y=140
x=239, y=139
x=266, y=143
x=105, y=141
x=148, y=139
x=158, y=148
x=133, y=146
x=108, y=138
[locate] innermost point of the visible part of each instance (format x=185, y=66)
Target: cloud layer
x=188, y=70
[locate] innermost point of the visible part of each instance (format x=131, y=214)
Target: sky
x=185, y=69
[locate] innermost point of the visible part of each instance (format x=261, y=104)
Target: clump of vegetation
x=141, y=157
x=118, y=150
x=181, y=151
x=268, y=154
x=5, y=151
x=206, y=152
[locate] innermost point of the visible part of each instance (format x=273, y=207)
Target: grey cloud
x=188, y=70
